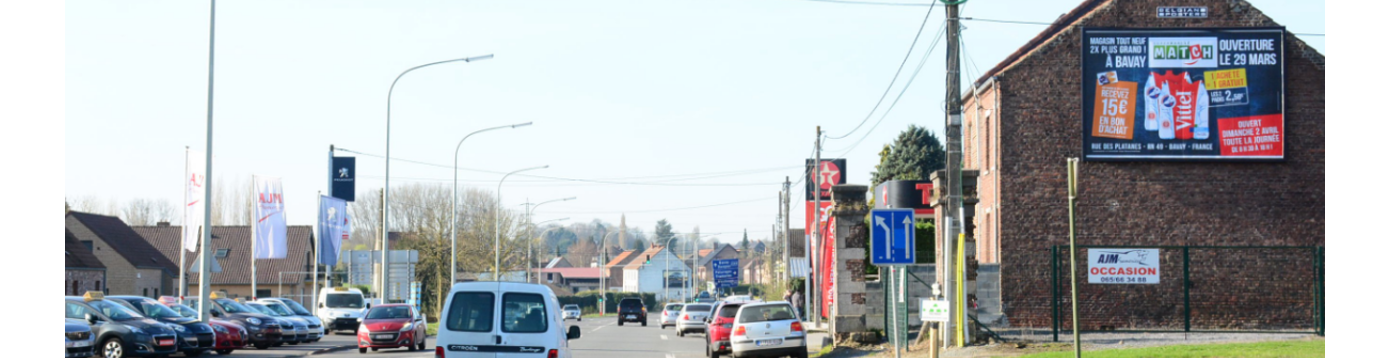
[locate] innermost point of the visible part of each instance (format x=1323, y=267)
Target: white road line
x=601, y=327
x=663, y=337
x=669, y=355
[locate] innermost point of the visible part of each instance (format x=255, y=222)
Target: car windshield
x=697, y=308
x=233, y=307
x=766, y=313
x=729, y=311
x=262, y=309
x=674, y=307
x=113, y=310
x=296, y=307
x=389, y=313
x=633, y=304
x=154, y=309
x=185, y=311
x=343, y=300
x=572, y=307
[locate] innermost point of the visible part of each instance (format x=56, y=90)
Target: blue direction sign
x=894, y=237
x=725, y=273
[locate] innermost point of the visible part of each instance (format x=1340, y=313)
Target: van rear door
x=470, y=322
x=529, y=321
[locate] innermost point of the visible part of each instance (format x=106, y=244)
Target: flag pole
x=317, y=226
x=183, y=241
x=206, y=232
x=253, y=237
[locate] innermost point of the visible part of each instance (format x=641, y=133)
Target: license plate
x=165, y=342
x=191, y=340
x=382, y=336
x=80, y=344
x=631, y=317
x=769, y=342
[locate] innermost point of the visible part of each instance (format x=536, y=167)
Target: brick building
x=82, y=270
x=133, y=267
x=1024, y=117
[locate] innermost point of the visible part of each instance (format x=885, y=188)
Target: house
x=231, y=247
x=707, y=256
x=614, y=269
x=760, y=248
x=133, y=266
x=558, y=262
x=657, y=271
x=573, y=279
x=82, y=270
x=754, y=271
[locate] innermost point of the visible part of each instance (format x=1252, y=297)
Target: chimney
x=162, y=224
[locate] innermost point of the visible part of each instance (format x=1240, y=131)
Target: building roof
x=753, y=261
x=1062, y=23
x=707, y=257
x=705, y=252
x=125, y=241
x=574, y=272
x=760, y=247
x=798, y=267
x=76, y=255
x=622, y=259
x=236, y=267
x=558, y=262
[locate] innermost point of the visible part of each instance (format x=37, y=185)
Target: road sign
x=894, y=237
x=935, y=310
x=725, y=273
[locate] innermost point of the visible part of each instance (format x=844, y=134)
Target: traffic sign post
x=725, y=273
x=894, y=236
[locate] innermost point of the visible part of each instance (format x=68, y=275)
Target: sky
x=690, y=111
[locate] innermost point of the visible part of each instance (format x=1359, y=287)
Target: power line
x=658, y=210
x=895, y=74
x=1049, y=23
x=551, y=183
x=920, y=64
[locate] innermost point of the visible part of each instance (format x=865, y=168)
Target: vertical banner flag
x=343, y=176
x=333, y=228
x=194, y=166
x=270, y=218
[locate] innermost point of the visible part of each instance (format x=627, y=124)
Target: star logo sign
x=829, y=174
x=342, y=172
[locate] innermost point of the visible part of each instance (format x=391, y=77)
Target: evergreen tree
x=914, y=155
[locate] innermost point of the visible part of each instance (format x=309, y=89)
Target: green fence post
x=1322, y=292
x=1186, y=290
x=1055, y=289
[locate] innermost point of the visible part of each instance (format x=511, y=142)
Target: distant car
x=77, y=339
x=316, y=330
x=265, y=330
x=296, y=330
x=632, y=310
x=768, y=330
x=341, y=308
x=692, y=319
x=573, y=311
x=720, y=325
x=195, y=337
x=669, y=314
x=475, y=322
x=391, y=326
x=121, y=332
x=229, y=336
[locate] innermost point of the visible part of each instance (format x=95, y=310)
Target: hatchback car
x=768, y=330
x=316, y=329
x=391, y=326
x=77, y=339
x=296, y=330
x=477, y=322
x=265, y=331
x=632, y=310
x=228, y=336
x=692, y=319
x=573, y=311
x=120, y=331
x=195, y=337
x=719, y=326
x=669, y=314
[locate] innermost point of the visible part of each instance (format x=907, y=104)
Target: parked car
x=471, y=329
x=195, y=337
x=229, y=336
x=632, y=310
x=669, y=314
x=283, y=306
x=573, y=311
x=77, y=339
x=391, y=326
x=341, y=308
x=295, y=330
x=768, y=329
x=265, y=330
x=692, y=319
x=718, y=327
x=121, y=332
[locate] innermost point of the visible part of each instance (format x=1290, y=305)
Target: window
x=75, y=289
x=696, y=308
x=262, y=293
x=471, y=312
x=78, y=311
x=729, y=311
x=523, y=313
x=222, y=253
x=145, y=292
x=766, y=313
x=88, y=244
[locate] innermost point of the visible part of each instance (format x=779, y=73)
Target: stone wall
x=78, y=282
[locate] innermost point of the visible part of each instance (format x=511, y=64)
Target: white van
x=341, y=308
x=502, y=320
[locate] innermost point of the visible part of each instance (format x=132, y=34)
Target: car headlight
x=253, y=321
x=406, y=327
x=220, y=329
x=178, y=328
x=364, y=329
x=137, y=330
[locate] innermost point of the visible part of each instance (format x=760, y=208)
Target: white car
x=573, y=311
x=768, y=329
x=669, y=314
x=341, y=308
x=491, y=319
x=692, y=318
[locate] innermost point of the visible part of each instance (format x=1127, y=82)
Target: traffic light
x=649, y=258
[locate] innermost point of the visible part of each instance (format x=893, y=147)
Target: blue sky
x=617, y=89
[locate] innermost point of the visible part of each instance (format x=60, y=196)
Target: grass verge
x=1279, y=349
x=432, y=329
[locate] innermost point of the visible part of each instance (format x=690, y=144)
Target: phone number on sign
x=1124, y=280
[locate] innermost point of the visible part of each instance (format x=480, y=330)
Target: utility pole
x=787, y=229
x=954, y=215
x=814, y=296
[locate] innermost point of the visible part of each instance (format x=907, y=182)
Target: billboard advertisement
x=830, y=172
x=1183, y=94
x=1122, y=266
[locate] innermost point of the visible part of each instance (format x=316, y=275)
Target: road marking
x=601, y=327
x=663, y=337
x=669, y=355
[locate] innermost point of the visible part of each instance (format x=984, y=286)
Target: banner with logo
x=270, y=218
x=333, y=228
x=343, y=175
x=830, y=171
x=1183, y=94
x=193, y=180
x=1125, y=266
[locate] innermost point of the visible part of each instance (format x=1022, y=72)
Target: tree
x=663, y=232
x=743, y=245
x=914, y=155
x=146, y=212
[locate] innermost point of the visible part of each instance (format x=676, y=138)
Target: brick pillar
x=848, y=312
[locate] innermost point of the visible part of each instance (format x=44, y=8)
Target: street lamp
x=666, y=274
x=497, y=224
x=603, y=273
x=386, y=189
x=454, y=202
x=530, y=241
x=538, y=277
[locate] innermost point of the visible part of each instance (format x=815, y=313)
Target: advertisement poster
x=830, y=172
x=1124, y=266
x=1183, y=94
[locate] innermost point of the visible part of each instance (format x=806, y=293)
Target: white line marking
x=669, y=355
x=663, y=337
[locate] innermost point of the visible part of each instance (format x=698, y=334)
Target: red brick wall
x=1131, y=203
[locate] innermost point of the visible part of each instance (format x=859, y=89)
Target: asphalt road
x=328, y=341
x=602, y=338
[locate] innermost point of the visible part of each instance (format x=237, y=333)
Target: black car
x=632, y=310
x=195, y=337
x=265, y=331
x=121, y=332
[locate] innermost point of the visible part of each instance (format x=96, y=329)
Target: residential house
x=133, y=267
x=721, y=251
x=573, y=279
x=558, y=262
x=614, y=269
x=754, y=271
x=657, y=271
x=82, y=270
x=289, y=277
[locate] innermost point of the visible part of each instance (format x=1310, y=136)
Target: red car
x=721, y=323
x=228, y=336
x=391, y=326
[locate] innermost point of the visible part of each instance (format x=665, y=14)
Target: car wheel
x=361, y=351
x=262, y=346
x=644, y=323
x=113, y=348
x=374, y=349
x=292, y=343
x=422, y=344
x=224, y=351
x=278, y=344
x=194, y=353
x=802, y=355
x=680, y=333
x=580, y=319
x=620, y=323
x=711, y=353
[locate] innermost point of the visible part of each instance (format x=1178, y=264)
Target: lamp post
x=530, y=241
x=497, y=225
x=454, y=202
x=538, y=277
x=386, y=189
x=665, y=273
x=603, y=274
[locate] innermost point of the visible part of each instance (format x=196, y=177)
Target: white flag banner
x=193, y=206
x=270, y=218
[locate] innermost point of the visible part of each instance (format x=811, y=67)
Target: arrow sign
x=893, y=246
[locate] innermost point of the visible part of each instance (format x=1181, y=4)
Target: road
x=331, y=340
x=602, y=338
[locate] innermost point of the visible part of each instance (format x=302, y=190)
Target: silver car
x=692, y=318
x=572, y=311
x=78, y=339
x=669, y=314
x=768, y=330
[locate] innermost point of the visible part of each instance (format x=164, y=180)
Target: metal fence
x=1232, y=289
